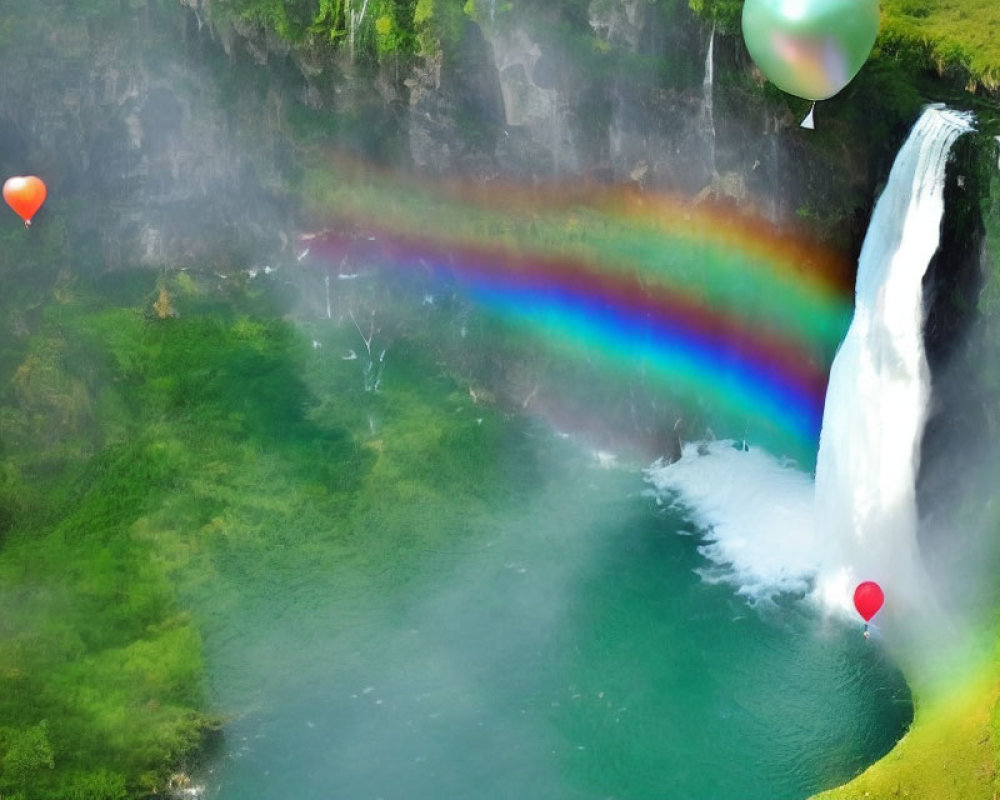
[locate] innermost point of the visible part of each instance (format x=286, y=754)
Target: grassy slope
x=955, y=35
x=950, y=752
x=957, y=38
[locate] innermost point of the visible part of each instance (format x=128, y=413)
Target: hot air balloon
x=868, y=599
x=810, y=48
x=25, y=194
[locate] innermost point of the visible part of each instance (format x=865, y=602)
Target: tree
x=26, y=753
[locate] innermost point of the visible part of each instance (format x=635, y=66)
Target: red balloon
x=25, y=194
x=868, y=599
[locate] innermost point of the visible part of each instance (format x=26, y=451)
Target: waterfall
x=707, y=104
x=767, y=527
x=876, y=402
x=356, y=18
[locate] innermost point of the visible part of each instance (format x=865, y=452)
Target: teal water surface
x=560, y=647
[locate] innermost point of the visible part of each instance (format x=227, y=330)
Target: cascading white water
x=768, y=529
x=876, y=402
x=708, y=89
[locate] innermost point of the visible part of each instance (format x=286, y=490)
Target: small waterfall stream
x=707, y=102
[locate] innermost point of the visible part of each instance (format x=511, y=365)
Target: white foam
x=755, y=513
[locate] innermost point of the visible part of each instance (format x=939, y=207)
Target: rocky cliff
x=124, y=115
x=172, y=135
x=642, y=94
x=177, y=135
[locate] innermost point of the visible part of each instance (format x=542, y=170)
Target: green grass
x=952, y=36
x=952, y=750
x=149, y=463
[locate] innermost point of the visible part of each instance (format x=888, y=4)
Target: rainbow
x=716, y=305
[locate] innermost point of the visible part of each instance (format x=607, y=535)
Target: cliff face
x=124, y=117
x=640, y=94
x=960, y=444
x=173, y=139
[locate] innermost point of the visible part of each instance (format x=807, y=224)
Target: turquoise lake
x=568, y=648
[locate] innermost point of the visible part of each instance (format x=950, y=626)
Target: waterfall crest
x=768, y=528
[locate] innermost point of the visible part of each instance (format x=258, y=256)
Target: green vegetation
x=372, y=27
x=953, y=37
x=725, y=14
x=150, y=457
x=386, y=25
x=952, y=749
x=146, y=458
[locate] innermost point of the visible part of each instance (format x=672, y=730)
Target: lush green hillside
x=157, y=436
x=955, y=37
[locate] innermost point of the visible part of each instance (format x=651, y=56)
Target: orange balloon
x=25, y=194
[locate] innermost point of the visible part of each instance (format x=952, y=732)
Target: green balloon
x=810, y=48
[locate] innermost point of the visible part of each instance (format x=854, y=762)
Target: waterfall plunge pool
x=564, y=645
